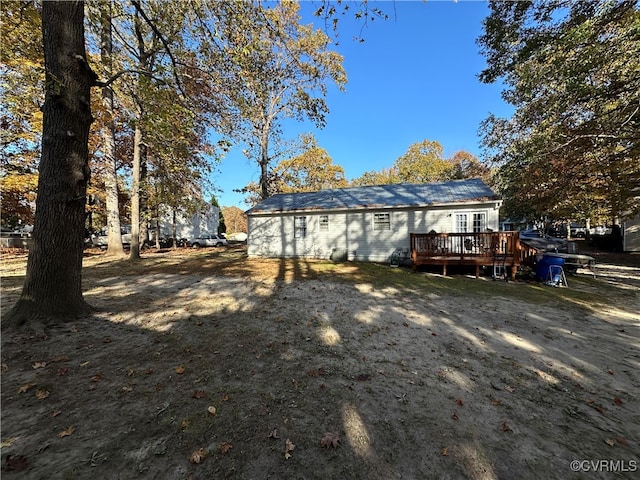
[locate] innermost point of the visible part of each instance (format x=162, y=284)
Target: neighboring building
x=369, y=223
x=191, y=226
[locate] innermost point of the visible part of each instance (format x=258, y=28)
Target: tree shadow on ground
x=420, y=379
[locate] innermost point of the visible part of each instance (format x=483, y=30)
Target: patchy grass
x=207, y=364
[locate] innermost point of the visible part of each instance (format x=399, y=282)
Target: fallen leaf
x=617, y=401
x=24, y=388
x=42, y=394
x=622, y=441
x=63, y=371
x=60, y=358
x=509, y=388
x=225, y=447
x=37, y=365
x=127, y=389
x=96, y=378
x=85, y=364
x=226, y=397
x=211, y=409
x=199, y=394
x=130, y=372
x=460, y=402
x=330, y=439
x=444, y=452
x=273, y=434
x=599, y=409
x=363, y=377
x=198, y=456
x=7, y=442
x=67, y=432
x=506, y=427
x=55, y=413
x=610, y=372
x=288, y=448
x=496, y=402
x=15, y=463
x=454, y=415
x=609, y=441
x=180, y=369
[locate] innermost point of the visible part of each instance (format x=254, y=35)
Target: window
x=479, y=222
x=382, y=221
x=300, y=227
x=461, y=222
x=324, y=222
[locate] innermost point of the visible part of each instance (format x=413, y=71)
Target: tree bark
x=264, y=163
x=114, y=234
x=135, y=195
x=52, y=291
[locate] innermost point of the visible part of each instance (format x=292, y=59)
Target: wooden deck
x=472, y=249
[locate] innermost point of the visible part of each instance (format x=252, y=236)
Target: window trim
x=479, y=222
x=379, y=224
x=459, y=217
x=299, y=226
x=323, y=223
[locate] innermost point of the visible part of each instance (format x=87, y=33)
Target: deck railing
x=473, y=248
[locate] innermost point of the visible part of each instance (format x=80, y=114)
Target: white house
x=369, y=223
x=191, y=226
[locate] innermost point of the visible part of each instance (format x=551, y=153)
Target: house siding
x=200, y=223
x=273, y=234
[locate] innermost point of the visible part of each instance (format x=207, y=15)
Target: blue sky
x=414, y=78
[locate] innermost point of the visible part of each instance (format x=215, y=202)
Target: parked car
x=207, y=240
x=543, y=242
x=100, y=239
x=533, y=233
x=578, y=231
x=601, y=230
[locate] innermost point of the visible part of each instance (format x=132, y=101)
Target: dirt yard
x=208, y=365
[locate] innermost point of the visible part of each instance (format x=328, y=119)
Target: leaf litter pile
x=202, y=365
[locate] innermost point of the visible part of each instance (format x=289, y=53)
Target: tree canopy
x=283, y=68
x=572, y=72
x=423, y=162
x=22, y=87
x=310, y=170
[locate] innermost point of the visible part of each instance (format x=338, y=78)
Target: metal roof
x=399, y=195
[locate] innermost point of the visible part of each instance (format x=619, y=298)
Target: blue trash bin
x=543, y=265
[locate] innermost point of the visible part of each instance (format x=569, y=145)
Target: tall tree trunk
x=264, y=164
x=52, y=289
x=174, y=229
x=114, y=234
x=135, y=194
